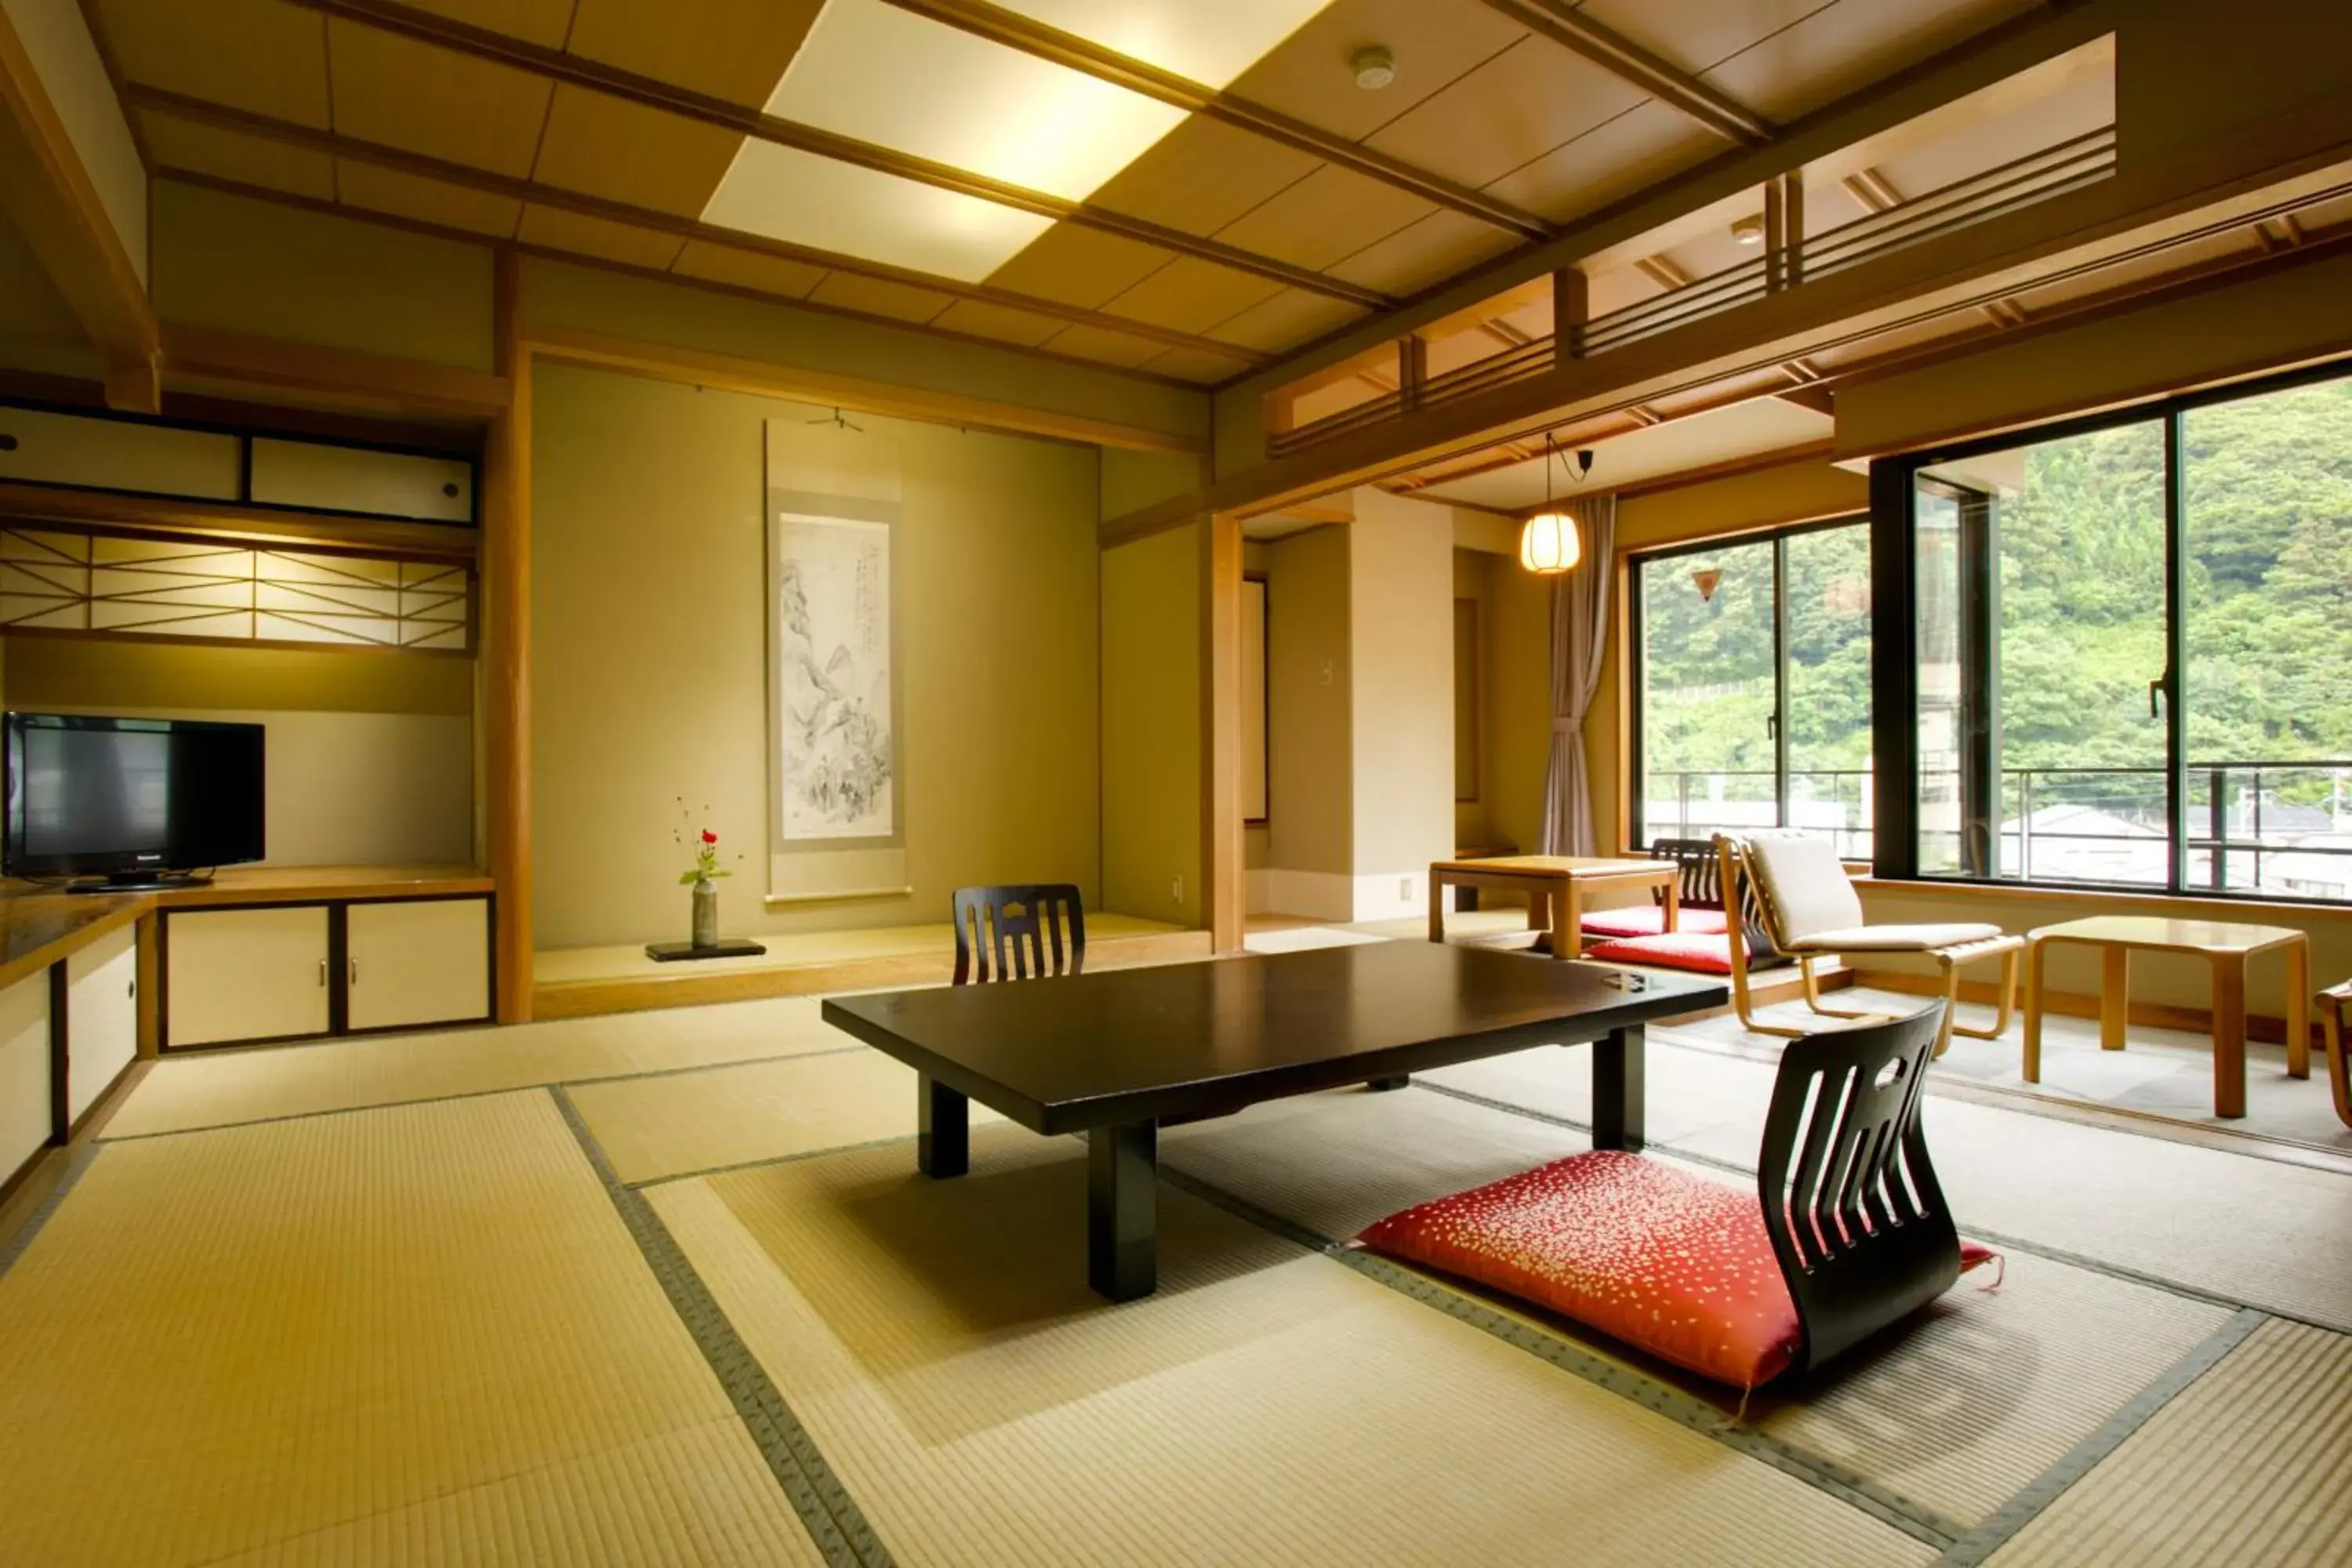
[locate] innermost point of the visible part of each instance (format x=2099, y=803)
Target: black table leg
x=1123, y=1210
x=1399, y=1081
x=1617, y=1091
x=944, y=1129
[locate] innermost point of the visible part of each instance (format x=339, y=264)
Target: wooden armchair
x=1016, y=932
x=2331, y=1005
x=1809, y=911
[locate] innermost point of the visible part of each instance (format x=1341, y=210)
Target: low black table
x=1117, y=1053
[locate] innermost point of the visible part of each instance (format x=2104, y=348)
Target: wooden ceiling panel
x=542, y=22
x=1286, y=318
x=1308, y=76
x=774, y=275
x=1511, y=110
x=1331, y=214
x=1420, y=254
x=1203, y=175
x=1845, y=47
x=1191, y=365
x=402, y=194
x=977, y=318
x=626, y=152
x=1079, y=266
x=1191, y=295
x=232, y=155
x=734, y=50
x=1113, y=349
x=880, y=297
x=1694, y=35
x=1636, y=149
x=624, y=243
x=413, y=95
x=255, y=54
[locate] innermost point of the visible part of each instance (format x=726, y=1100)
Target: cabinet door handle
x=322, y=971
x=354, y=969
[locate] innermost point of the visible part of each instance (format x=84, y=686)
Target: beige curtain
x=1580, y=632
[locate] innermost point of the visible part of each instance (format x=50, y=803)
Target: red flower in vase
x=709, y=837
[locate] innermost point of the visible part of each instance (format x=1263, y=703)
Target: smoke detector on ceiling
x=1375, y=68
x=1749, y=230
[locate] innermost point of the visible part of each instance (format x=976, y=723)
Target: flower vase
x=706, y=912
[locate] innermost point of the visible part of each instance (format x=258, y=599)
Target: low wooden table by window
x=1556, y=885
x=2226, y=946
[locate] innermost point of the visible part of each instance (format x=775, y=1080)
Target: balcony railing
x=2281, y=828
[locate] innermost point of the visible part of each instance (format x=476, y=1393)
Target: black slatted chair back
x=1851, y=1200
x=1019, y=932
x=1702, y=889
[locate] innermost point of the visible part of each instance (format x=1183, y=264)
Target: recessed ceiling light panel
x=1209, y=41
x=785, y=194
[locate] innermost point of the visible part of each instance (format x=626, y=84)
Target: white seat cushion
x=1804, y=885
x=1895, y=938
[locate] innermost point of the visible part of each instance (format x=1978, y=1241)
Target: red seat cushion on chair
x=1668, y=950
x=1649, y=919
x=1647, y=1253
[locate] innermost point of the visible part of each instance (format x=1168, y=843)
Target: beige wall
x=1151, y=798
x=370, y=756
x=1133, y=481
x=649, y=644
x=1401, y=615
x=1470, y=584
x=1311, y=715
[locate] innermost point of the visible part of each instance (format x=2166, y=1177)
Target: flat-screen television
x=130, y=802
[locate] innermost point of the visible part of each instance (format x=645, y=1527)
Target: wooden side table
x=2228, y=947
x=1555, y=886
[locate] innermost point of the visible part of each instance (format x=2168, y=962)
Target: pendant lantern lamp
x=1549, y=543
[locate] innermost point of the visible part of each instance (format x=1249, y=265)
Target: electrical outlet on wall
x=1176, y=892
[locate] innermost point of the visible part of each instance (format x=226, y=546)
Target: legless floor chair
x=1809, y=910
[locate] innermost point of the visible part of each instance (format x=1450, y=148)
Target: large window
x=2129, y=645
x=1753, y=687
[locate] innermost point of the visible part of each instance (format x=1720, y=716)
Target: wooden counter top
x=41, y=925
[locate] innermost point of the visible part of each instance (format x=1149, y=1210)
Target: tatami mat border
x=835, y=1521
x=2014, y=1515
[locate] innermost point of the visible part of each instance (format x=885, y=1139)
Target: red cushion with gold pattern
x=1646, y=1252
x=1649, y=919
x=1668, y=950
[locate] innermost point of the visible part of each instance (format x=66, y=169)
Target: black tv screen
x=124, y=797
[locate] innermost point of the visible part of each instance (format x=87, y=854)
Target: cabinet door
x=421, y=961
x=245, y=974
x=102, y=1018
x=25, y=1109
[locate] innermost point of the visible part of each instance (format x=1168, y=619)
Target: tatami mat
x=394, y=1336
x=654, y=1127
x=1979, y=1396
x=2253, y=1463
x=1268, y=1406
x=219, y=1089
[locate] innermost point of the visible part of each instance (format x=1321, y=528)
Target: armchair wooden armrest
x=2332, y=1005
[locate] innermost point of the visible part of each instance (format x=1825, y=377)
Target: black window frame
x=1895, y=668
x=1640, y=561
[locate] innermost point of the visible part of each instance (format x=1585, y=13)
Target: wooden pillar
x=1221, y=877
x=506, y=648
x=1571, y=308
x=1792, y=228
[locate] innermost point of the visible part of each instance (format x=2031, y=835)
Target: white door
x=102, y=1018
x=420, y=961
x=245, y=974
x=24, y=1071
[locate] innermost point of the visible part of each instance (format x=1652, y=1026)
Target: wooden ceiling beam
x=574, y=71
x=1014, y=30
x=1628, y=61
x=287, y=134
x=44, y=189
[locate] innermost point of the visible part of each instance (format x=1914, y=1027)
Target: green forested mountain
x=2267, y=487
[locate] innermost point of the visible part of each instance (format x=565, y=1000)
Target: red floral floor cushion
x=1647, y=1253
x=1649, y=919
x=1668, y=950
